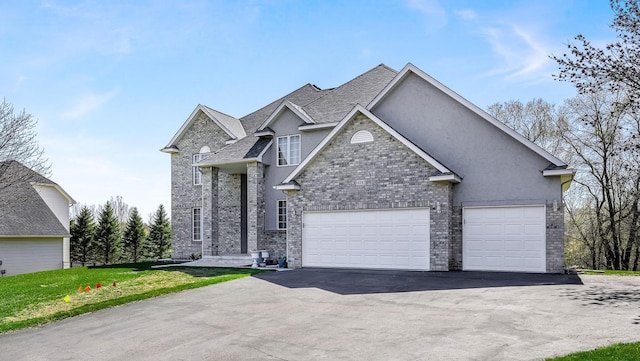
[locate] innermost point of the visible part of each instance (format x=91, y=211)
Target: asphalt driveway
x=352, y=315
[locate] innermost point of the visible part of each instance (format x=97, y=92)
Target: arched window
x=197, y=176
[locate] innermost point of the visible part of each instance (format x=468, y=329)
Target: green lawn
x=619, y=352
x=37, y=298
x=614, y=273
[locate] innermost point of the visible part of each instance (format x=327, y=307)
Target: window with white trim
x=282, y=214
x=196, y=224
x=197, y=176
x=288, y=150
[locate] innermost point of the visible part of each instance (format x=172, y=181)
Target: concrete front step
x=229, y=257
x=229, y=260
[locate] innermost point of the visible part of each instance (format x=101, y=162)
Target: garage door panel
x=513, y=245
x=505, y=239
x=397, y=239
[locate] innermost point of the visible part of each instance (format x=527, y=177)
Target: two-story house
x=390, y=170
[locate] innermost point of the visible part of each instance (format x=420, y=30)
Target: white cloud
x=86, y=104
x=521, y=54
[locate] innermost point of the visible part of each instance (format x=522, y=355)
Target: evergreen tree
x=134, y=240
x=108, y=236
x=82, y=236
x=160, y=234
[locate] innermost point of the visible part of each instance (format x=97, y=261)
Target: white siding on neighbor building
x=385, y=239
x=57, y=202
x=30, y=255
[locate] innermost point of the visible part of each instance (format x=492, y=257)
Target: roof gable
x=358, y=109
x=297, y=110
x=412, y=69
x=230, y=125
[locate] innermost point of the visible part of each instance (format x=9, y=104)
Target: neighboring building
x=390, y=170
x=34, y=221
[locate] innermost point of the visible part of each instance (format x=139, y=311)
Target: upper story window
x=289, y=150
x=197, y=176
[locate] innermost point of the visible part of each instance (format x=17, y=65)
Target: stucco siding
x=493, y=165
x=286, y=124
x=25, y=255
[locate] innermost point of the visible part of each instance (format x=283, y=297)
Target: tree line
x=598, y=133
x=113, y=233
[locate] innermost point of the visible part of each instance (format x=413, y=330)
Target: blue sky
x=110, y=82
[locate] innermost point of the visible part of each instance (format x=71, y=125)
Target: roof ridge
x=331, y=90
x=217, y=111
x=281, y=99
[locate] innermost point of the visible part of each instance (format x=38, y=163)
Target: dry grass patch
x=37, y=298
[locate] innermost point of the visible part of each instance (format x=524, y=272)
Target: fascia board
x=66, y=195
x=317, y=126
x=287, y=187
x=191, y=119
x=203, y=163
x=263, y=133
x=558, y=172
x=410, y=68
x=445, y=178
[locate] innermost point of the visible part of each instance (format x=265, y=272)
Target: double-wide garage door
x=386, y=239
x=504, y=239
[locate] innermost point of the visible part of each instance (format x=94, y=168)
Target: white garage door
x=390, y=239
x=504, y=239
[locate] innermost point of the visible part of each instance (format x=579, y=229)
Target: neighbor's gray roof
x=323, y=106
x=23, y=211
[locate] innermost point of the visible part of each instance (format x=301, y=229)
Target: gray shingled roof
x=323, y=106
x=337, y=103
x=231, y=123
x=302, y=96
x=24, y=212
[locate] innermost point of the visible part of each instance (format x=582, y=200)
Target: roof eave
x=170, y=149
x=66, y=195
x=451, y=178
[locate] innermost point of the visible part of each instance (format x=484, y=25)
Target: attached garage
x=384, y=239
x=504, y=239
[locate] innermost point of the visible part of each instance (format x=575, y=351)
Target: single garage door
x=504, y=239
x=387, y=239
